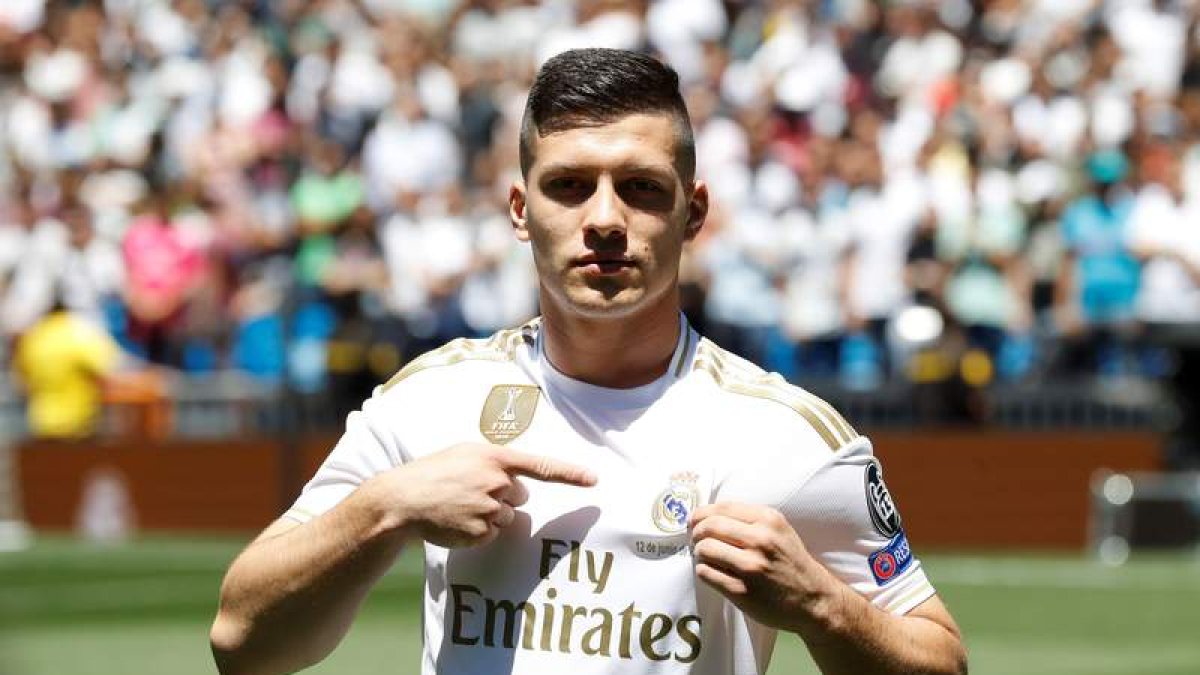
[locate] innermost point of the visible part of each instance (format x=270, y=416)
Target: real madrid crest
x=674, y=505
x=508, y=411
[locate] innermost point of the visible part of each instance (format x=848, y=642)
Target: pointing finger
x=545, y=468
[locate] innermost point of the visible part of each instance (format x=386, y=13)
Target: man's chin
x=594, y=303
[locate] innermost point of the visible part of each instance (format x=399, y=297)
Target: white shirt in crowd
x=500, y=290
x=421, y=156
x=1158, y=222
x=882, y=223
x=812, y=306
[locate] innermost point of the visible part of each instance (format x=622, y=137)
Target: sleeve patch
x=890, y=561
x=883, y=510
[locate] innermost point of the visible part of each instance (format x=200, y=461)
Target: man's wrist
x=386, y=515
x=830, y=612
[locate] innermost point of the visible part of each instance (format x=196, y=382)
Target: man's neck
x=619, y=352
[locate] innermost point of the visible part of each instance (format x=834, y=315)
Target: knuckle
x=506, y=516
x=757, y=565
x=733, y=586
x=477, y=528
x=776, y=520
x=496, y=479
x=756, y=538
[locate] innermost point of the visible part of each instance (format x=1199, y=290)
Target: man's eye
x=645, y=185
x=570, y=184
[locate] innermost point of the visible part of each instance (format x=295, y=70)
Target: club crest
x=508, y=412
x=674, y=505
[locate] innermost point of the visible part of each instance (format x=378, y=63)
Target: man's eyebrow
x=632, y=167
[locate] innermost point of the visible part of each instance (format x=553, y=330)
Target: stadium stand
x=928, y=211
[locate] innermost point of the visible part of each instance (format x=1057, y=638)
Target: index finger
x=545, y=468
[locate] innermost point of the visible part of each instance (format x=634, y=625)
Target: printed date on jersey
x=545, y=625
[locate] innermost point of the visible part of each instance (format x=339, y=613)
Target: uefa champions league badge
x=891, y=560
x=674, y=505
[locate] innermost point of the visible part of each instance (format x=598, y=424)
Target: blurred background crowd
x=313, y=192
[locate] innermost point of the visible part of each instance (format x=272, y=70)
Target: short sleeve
x=365, y=449
x=848, y=521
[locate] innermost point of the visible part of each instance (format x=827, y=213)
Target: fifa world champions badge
x=508, y=412
x=675, y=504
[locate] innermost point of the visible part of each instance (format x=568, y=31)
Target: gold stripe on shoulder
x=728, y=379
x=502, y=346
x=831, y=413
x=834, y=420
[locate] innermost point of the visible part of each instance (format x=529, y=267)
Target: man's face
x=607, y=213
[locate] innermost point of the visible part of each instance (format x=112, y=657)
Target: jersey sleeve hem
x=909, y=600
x=299, y=515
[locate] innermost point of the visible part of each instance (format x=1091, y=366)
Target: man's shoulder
x=771, y=393
x=447, y=361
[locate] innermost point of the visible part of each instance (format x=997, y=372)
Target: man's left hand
x=753, y=556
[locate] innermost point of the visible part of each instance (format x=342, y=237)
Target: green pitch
x=144, y=608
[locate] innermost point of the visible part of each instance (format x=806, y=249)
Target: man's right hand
x=463, y=495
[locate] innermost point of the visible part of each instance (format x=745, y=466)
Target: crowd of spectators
x=314, y=191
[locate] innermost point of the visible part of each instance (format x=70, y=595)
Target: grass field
x=144, y=608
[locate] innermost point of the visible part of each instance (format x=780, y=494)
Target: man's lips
x=597, y=264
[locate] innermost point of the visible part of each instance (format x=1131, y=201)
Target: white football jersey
x=601, y=579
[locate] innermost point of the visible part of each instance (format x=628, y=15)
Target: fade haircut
x=591, y=87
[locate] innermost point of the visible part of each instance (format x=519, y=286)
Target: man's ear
x=517, y=206
x=697, y=210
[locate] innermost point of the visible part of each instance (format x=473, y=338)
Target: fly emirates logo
x=591, y=630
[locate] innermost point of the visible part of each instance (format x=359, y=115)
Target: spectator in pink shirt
x=164, y=266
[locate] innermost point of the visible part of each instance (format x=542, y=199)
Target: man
x=647, y=502
x=63, y=361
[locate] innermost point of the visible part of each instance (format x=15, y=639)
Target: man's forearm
x=290, y=597
x=854, y=636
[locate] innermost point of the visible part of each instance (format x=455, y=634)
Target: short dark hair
x=584, y=87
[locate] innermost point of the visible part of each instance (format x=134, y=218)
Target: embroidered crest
x=508, y=412
x=879, y=503
x=674, y=505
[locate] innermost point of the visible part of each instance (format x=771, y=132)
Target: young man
x=601, y=490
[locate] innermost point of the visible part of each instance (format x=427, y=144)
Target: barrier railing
x=231, y=403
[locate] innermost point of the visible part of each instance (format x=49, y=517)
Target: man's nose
x=606, y=214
